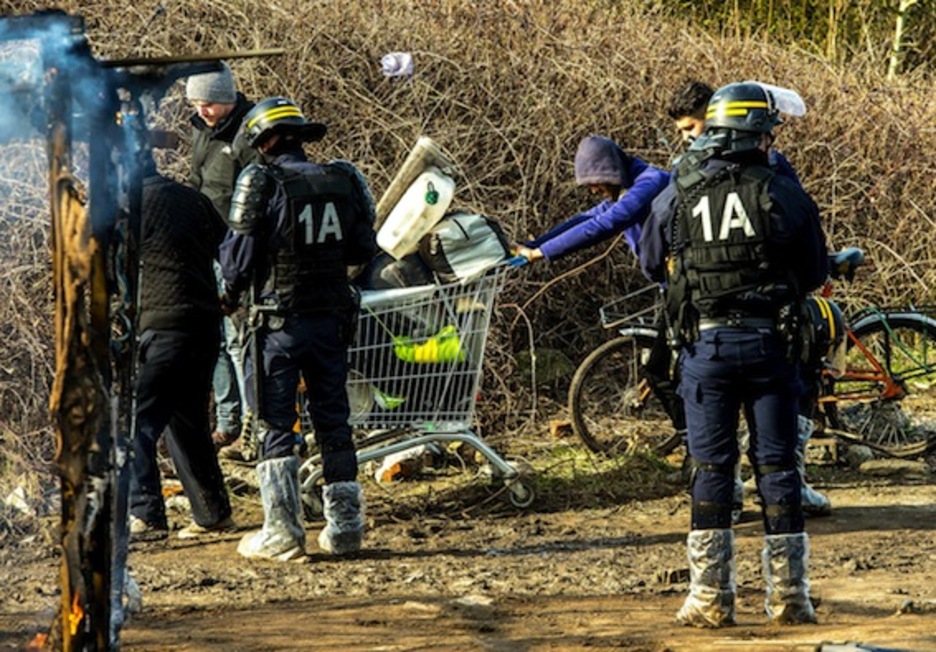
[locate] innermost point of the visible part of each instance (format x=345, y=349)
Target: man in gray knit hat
x=216, y=161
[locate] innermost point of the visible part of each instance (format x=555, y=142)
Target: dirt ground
x=451, y=565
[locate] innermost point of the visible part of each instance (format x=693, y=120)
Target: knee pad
x=334, y=441
x=712, y=495
x=779, y=487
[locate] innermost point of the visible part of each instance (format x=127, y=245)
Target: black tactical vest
x=309, y=272
x=723, y=222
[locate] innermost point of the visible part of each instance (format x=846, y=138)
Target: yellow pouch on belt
x=444, y=346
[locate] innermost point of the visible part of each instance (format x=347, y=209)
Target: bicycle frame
x=888, y=386
x=636, y=322
x=644, y=389
x=891, y=388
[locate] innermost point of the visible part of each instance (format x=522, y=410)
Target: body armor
x=719, y=268
x=309, y=270
x=249, y=201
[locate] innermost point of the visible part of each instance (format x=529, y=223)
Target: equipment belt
x=706, y=324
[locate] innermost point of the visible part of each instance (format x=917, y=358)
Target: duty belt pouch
x=673, y=310
x=789, y=326
x=682, y=318
x=275, y=321
x=258, y=318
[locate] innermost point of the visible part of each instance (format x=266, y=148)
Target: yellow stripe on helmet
x=729, y=112
x=735, y=108
x=750, y=104
x=276, y=113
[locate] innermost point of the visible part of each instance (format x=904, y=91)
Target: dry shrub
x=26, y=360
x=508, y=89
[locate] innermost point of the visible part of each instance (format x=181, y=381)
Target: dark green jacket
x=217, y=159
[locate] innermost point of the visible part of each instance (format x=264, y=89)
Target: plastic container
x=408, y=463
x=419, y=209
x=424, y=153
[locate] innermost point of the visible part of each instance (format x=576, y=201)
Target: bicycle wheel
x=613, y=409
x=905, y=347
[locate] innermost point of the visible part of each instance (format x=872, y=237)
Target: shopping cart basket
x=414, y=375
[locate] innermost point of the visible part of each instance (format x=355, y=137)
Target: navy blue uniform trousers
x=311, y=344
x=726, y=370
x=173, y=389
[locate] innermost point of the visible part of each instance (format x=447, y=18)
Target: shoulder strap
x=335, y=181
x=761, y=176
x=757, y=173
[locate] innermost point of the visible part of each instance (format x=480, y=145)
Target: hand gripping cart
x=414, y=374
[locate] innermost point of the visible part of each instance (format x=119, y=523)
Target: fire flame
x=76, y=615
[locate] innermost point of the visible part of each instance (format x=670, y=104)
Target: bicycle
x=884, y=396
x=880, y=398
x=611, y=401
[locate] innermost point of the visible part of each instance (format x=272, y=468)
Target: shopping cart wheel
x=521, y=495
x=312, y=508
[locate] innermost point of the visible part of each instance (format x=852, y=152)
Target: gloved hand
x=524, y=255
x=518, y=261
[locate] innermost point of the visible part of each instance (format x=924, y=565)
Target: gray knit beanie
x=600, y=160
x=212, y=87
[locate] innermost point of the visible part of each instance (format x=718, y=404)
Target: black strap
x=767, y=469
x=711, y=467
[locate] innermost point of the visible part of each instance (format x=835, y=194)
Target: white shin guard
x=814, y=503
x=786, y=561
x=344, y=516
x=712, y=580
x=282, y=537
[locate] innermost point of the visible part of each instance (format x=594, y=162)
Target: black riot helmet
x=736, y=116
x=278, y=115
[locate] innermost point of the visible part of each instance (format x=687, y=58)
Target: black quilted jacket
x=180, y=235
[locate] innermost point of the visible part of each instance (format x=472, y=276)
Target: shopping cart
x=414, y=375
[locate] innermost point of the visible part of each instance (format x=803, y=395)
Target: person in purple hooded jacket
x=627, y=186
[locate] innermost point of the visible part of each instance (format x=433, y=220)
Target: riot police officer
x=687, y=108
x=296, y=226
x=739, y=248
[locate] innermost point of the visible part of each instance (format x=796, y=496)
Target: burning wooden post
x=72, y=97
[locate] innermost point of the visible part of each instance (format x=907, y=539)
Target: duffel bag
x=463, y=246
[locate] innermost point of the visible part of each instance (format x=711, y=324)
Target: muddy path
x=448, y=565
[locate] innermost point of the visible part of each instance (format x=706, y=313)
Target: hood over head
x=600, y=160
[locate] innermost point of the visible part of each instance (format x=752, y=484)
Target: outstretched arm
x=611, y=218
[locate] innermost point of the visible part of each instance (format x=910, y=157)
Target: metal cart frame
x=414, y=374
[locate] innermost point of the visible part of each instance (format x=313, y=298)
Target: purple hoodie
x=600, y=160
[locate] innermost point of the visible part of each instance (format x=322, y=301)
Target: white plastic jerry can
x=421, y=206
x=424, y=153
